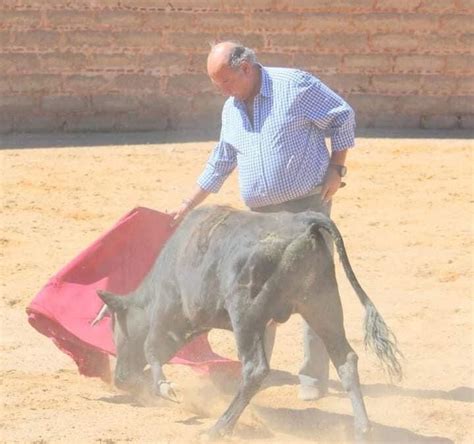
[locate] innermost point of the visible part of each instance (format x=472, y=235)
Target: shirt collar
x=265, y=87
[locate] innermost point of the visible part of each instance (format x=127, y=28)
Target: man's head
x=233, y=69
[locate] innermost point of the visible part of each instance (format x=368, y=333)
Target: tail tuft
x=381, y=340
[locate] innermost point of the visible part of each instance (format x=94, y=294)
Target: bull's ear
x=116, y=304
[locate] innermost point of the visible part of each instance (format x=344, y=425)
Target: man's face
x=236, y=83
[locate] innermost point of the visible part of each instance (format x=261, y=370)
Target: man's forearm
x=338, y=157
x=196, y=197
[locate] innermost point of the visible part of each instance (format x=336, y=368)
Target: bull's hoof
x=166, y=390
x=214, y=434
x=363, y=436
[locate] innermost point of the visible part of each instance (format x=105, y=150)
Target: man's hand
x=331, y=184
x=178, y=213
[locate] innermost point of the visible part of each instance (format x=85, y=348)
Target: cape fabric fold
x=117, y=261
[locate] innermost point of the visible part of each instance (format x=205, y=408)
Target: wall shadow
x=67, y=140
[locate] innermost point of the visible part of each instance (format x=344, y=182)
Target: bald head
x=233, y=69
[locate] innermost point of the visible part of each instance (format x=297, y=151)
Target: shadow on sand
x=462, y=394
x=312, y=423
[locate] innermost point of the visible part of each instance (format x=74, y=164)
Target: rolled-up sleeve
x=329, y=113
x=221, y=163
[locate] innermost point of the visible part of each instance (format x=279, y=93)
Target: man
x=274, y=125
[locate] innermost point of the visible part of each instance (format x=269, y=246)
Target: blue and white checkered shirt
x=282, y=154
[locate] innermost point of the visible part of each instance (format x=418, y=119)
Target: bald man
x=274, y=125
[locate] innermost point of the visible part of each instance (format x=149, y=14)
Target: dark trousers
x=315, y=368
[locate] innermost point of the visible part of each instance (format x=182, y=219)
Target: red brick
x=276, y=59
x=460, y=105
x=6, y=123
x=457, y=23
x=394, y=42
x=131, y=39
x=121, y=19
x=168, y=60
x=254, y=41
x=137, y=82
x=327, y=5
x=373, y=104
x=300, y=41
x=169, y=20
x=217, y=20
x=465, y=86
x=20, y=19
x=466, y=121
x=6, y=38
x=62, y=62
x=342, y=43
x=347, y=83
x=188, y=84
x=275, y=21
x=318, y=63
x=250, y=5
x=19, y=63
x=36, y=82
x=419, y=64
x=90, y=122
x=396, y=85
x=111, y=62
x=16, y=103
x=114, y=103
x=195, y=41
x=438, y=6
x=208, y=103
x=368, y=63
x=37, y=39
x=154, y=121
x=96, y=39
x=326, y=23
x=172, y=5
x=439, y=121
x=418, y=104
x=466, y=5
x=395, y=23
x=397, y=5
x=63, y=104
x=4, y=85
x=85, y=84
x=439, y=85
x=460, y=64
x=71, y=19
x=441, y=44
x=395, y=121
x=36, y=123
x=197, y=63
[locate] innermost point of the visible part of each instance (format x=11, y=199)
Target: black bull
x=238, y=270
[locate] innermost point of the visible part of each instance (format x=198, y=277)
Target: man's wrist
x=188, y=203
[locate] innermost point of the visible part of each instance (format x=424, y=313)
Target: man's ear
x=245, y=67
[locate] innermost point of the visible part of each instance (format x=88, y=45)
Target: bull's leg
x=324, y=316
x=345, y=360
x=160, y=347
x=250, y=344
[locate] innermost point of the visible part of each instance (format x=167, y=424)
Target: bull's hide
x=117, y=261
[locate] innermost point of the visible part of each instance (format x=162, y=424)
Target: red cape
x=117, y=261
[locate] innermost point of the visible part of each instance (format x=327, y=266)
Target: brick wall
x=140, y=64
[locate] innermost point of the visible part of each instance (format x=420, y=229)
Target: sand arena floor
x=406, y=216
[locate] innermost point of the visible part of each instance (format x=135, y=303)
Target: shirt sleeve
x=221, y=163
x=329, y=112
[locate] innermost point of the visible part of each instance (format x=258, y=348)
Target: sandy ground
x=406, y=216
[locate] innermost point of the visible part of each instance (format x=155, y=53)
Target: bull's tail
x=117, y=305
x=378, y=337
